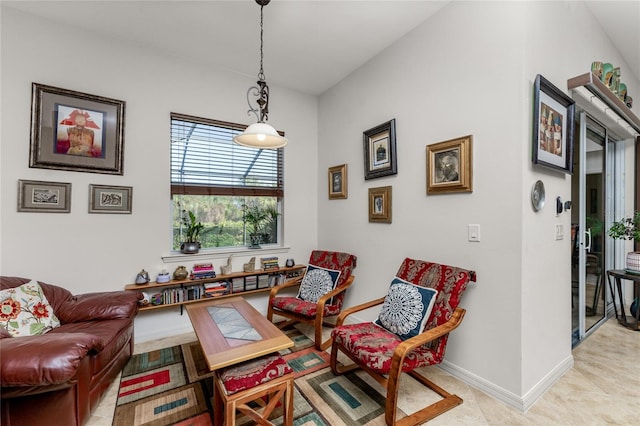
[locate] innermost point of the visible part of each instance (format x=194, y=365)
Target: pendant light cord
x=261, y=73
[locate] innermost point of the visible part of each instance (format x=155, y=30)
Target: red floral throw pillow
x=25, y=311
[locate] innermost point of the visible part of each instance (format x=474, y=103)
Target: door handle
x=587, y=233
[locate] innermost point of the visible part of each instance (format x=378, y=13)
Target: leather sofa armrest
x=48, y=359
x=99, y=306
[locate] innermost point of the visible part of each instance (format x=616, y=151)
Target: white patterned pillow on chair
x=317, y=282
x=406, y=308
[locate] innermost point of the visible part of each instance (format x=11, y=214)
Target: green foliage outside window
x=223, y=219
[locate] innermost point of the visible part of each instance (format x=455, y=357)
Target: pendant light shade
x=260, y=135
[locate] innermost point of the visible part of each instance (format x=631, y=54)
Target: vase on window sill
x=255, y=239
x=190, y=247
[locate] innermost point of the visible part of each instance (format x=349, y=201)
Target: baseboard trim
x=520, y=403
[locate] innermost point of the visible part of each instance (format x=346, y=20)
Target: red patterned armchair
x=321, y=293
x=412, y=330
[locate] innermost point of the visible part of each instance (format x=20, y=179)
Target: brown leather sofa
x=58, y=378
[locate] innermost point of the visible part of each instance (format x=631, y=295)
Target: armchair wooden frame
x=318, y=321
x=392, y=382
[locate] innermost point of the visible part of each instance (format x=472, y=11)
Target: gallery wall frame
x=44, y=197
x=553, y=124
x=76, y=131
x=110, y=199
x=379, y=144
x=450, y=166
x=337, y=182
x=380, y=204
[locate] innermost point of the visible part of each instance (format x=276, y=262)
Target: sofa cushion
x=50, y=359
x=317, y=282
x=406, y=308
x=25, y=310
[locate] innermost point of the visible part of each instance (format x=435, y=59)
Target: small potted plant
x=627, y=229
x=256, y=217
x=191, y=244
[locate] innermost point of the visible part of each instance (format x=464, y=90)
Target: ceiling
x=309, y=46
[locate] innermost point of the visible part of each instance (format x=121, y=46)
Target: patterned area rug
x=172, y=386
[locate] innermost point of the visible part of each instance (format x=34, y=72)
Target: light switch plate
x=474, y=232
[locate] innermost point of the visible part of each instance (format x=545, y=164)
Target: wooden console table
x=619, y=275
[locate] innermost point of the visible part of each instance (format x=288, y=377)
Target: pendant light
x=261, y=134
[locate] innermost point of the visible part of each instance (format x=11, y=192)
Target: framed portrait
x=553, y=117
x=110, y=199
x=449, y=166
x=380, y=151
x=380, y=204
x=338, y=182
x=76, y=131
x=44, y=197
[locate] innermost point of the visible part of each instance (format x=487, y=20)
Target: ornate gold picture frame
x=449, y=166
x=380, y=204
x=338, y=182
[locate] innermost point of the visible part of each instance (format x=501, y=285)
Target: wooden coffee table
x=230, y=331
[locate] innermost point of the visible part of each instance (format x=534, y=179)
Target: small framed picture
x=110, y=199
x=380, y=151
x=449, y=166
x=553, y=117
x=76, y=131
x=44, y=197
x=380, y=204
x=338, y=182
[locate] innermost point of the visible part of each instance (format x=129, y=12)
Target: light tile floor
x=603, y=388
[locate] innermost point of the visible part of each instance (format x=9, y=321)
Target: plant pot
x=189, y=247
x=255, y=239
x=633, y=262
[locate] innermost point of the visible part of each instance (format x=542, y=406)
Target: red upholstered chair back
x=343, y=262
x=450, y=281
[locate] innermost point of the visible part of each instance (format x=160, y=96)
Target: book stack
x=263, y=281
x=202, y=270
x=269, y=263
x=218, y=288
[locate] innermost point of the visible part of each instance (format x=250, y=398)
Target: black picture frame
x=553, y=126
x=379, y=144
x=59, y=141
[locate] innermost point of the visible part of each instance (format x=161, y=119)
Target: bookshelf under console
x=187, y=291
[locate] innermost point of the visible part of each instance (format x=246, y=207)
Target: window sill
x=210, y=254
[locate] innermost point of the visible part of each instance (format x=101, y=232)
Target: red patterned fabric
x=253, y=373
x=302, y=307
x=374, y=346
x=343, y=262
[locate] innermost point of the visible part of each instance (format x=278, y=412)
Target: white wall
x=453, y=76
x=94, y=252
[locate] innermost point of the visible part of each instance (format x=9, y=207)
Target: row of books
x=269, y=263
x=218, y=288
x=179, y=294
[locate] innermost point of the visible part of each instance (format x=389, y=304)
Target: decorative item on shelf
x=261, y=134
x=142, y=277
x=163, y=277
x=250, y=266
x=191, y=245
x=290, y=262
x=610, y=76
x=146, y=299
x=227, y=269
x=156, y=299
x=628, y=228
x=180, y=273
x=260, y=220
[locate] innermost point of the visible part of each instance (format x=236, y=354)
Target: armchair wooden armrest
x=357, y=308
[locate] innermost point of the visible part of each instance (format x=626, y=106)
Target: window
x=216, y=179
